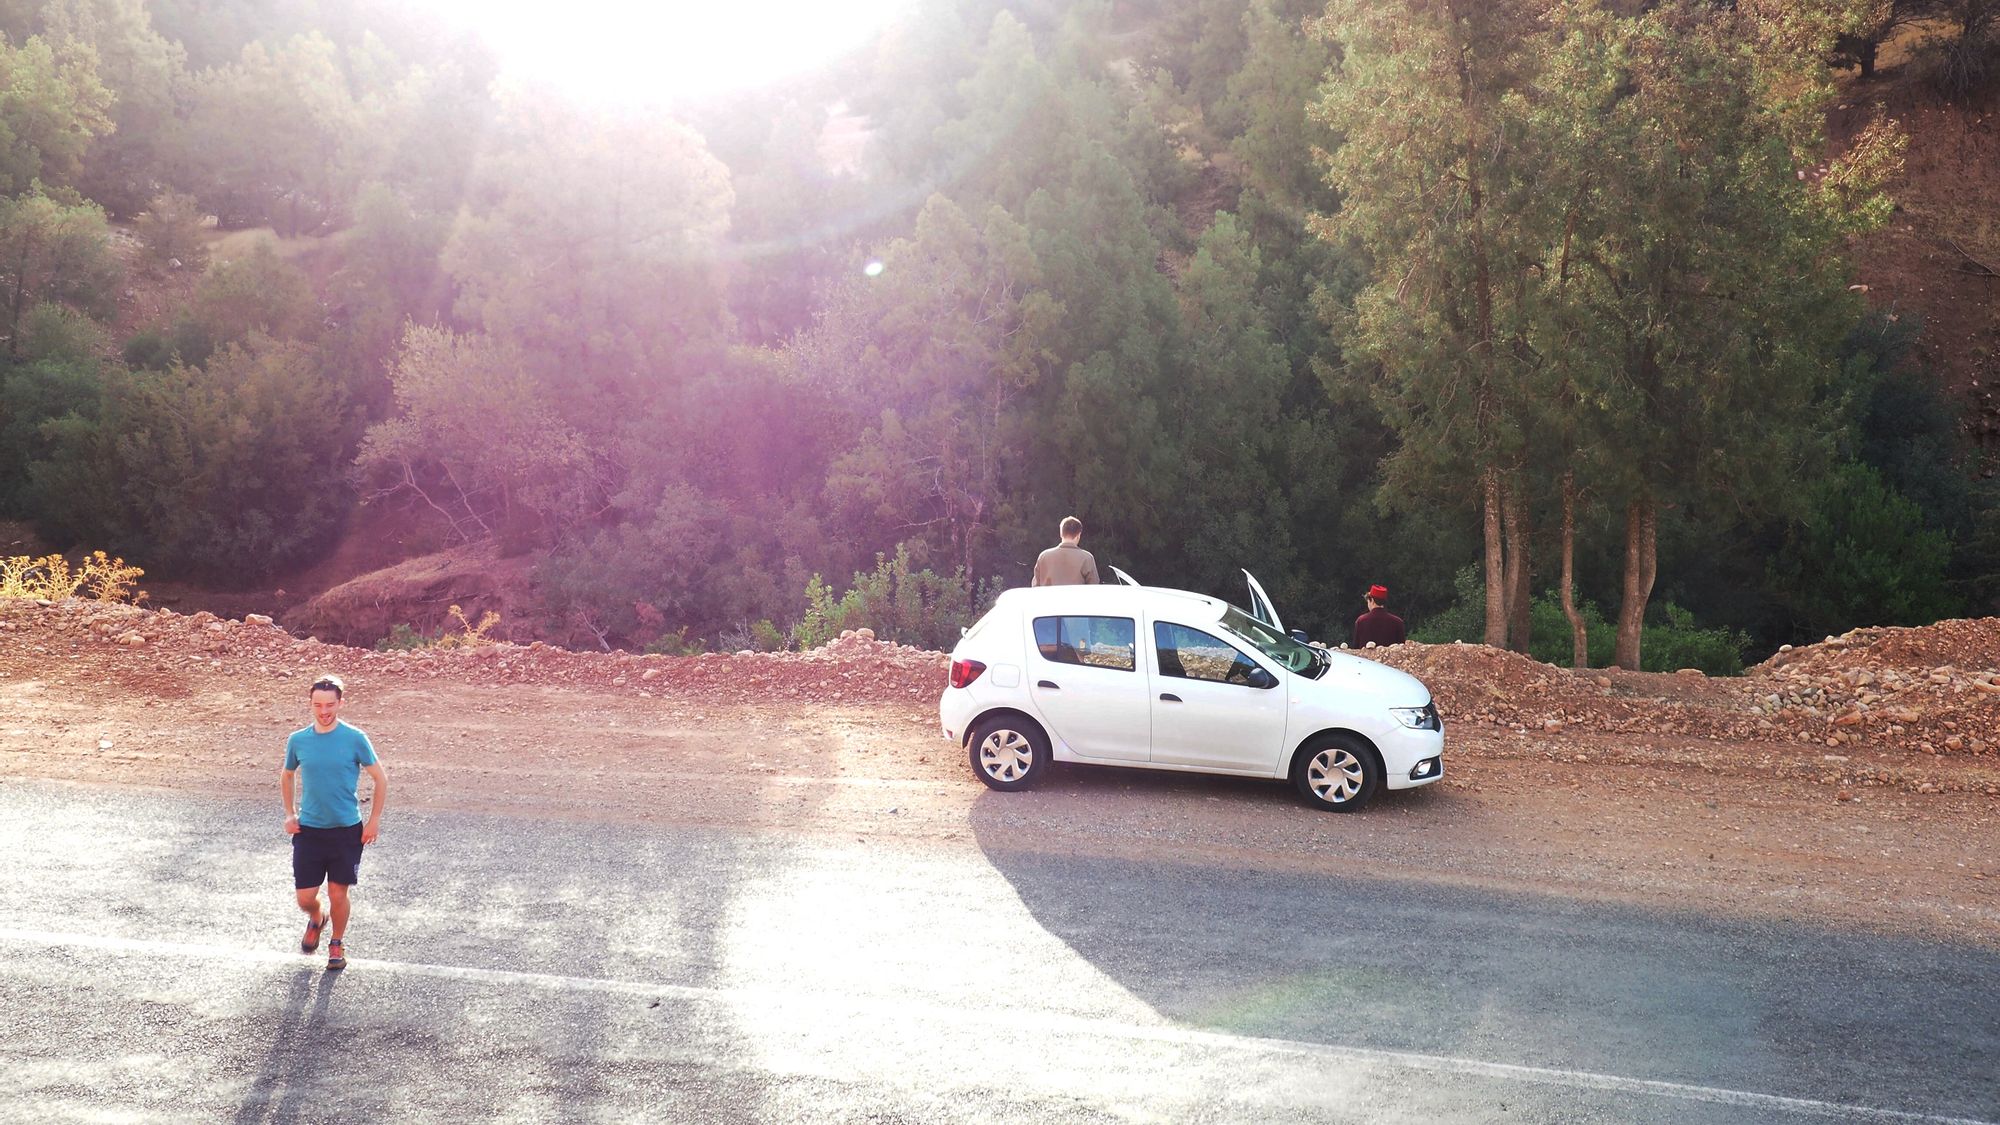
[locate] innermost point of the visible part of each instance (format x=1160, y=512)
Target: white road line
x=1038, y=1022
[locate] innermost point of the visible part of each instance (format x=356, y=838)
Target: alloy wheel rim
x=1006, y=755
x=1335, y=776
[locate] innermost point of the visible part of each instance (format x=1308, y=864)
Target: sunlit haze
x=634, y=53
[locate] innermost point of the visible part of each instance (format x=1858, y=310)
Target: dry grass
x=52, y=578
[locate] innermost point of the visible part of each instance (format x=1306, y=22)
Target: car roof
x=1097, y=599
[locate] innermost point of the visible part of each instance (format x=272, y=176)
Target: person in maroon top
x=1378, y=626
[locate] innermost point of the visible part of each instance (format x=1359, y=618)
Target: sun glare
x=618, y=51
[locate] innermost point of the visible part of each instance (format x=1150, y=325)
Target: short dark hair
x=1071, y=527
x=329, y=682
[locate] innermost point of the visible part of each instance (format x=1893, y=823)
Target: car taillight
x=964, y=672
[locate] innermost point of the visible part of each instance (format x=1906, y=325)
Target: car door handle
x=1168, y=697
x=1049, y=684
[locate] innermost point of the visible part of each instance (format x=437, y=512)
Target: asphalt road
x=519, y=969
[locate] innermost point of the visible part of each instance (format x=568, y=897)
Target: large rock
x=420, y=593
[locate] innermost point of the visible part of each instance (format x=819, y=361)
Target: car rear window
x=1094, y=642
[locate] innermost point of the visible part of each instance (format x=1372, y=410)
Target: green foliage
x=1672, y=638
x=676, y=643
x=272, y=136
x=767, y=637
x=473, y=437
x=146, y=75
x=259, y=292
x=1464, y=619
x=51, y=105
x=53, y=252
x=58, y=374
x=1861, y=556
x=171, y=231
x=913, y=607
x=1676, y=642
x=403, y=638
x=555, y=256
x=225, y=474
x=1171, y=267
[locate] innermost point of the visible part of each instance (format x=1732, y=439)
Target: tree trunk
x=1514, y=522
x=1641, y=520
x=1578, y=632
x=1496, y=588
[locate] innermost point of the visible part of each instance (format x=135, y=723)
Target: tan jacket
x=1065, y=566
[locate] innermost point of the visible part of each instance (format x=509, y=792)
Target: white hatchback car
x=1056, y=673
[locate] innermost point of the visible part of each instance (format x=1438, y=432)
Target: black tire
x=1337, y=772
x=1008, y=752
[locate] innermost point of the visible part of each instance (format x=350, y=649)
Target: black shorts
x=326, y=855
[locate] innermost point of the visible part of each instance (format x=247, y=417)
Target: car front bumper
x=1404, y=750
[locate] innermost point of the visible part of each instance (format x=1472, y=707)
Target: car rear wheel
x=1337, y=772
x=1009, y=752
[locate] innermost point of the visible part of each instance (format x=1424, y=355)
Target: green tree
x=589, y=244
x=51, y=105
x=1698, y=270
x=146, y=75
x=1431, y=189
x=51, y=252
x=58, y=372
x=474, y=439
x=226, y=473
x=1861, y=555
x=937, y=354
x=170, y=229
x=272, y=136
x=259, y=292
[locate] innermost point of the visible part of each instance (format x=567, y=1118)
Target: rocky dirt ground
x=1854, y=782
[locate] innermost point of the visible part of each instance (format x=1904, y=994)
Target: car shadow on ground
x=1154, y=880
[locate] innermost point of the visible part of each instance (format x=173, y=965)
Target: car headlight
x=1417, y=718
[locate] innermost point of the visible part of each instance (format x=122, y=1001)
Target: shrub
x=919, y=608
x=225, y=474
x=1676, y=643
x=51, y=577
x=1670, y=642
x=676, y=643
x=1862, y=556
x=403, y=638
x=171, y=232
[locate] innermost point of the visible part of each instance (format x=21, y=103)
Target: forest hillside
x=1651, y=333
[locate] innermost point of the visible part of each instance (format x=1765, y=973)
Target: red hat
x=1379, y=593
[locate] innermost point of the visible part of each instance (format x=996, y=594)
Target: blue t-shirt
x=329, y=768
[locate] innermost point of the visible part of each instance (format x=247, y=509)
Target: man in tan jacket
x=1066, y=564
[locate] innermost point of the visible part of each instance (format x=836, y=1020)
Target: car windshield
x=1296, y=657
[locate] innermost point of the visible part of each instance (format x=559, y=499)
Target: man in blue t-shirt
x=323, y=765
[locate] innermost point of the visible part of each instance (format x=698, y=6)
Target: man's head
x=326, y=693
x=1071, y=530
x=1378, y=596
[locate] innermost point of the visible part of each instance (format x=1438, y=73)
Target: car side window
x=1191, y=654
x=1094, y=642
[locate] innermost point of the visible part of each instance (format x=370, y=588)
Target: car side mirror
x=1259, y=678
x=1299, y=635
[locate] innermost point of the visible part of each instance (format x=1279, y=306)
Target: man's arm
x=286, y=786
x=376, y=802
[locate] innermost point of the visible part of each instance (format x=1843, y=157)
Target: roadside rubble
x=1874, y=707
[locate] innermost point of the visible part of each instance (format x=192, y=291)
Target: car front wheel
x=1337, y=773
x=1009, y=752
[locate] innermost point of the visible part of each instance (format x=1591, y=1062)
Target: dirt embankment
x=1916, y=709
x=1679, y=792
